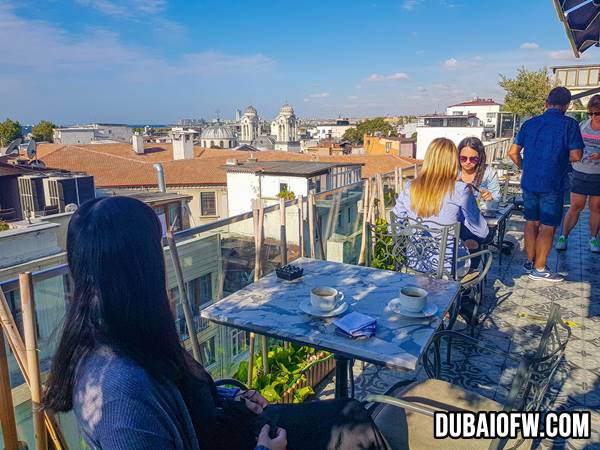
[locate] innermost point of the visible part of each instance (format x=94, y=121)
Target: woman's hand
x=255, y=402
x=486, y=195
x=278, y=443
x=594, y=156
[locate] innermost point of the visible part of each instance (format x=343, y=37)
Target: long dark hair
x=476, y=144
x=119, y=298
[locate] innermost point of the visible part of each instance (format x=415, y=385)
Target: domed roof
x=287, y=110
x=250, y=110
x=217, y=131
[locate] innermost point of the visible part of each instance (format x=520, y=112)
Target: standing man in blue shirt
x=549, y=143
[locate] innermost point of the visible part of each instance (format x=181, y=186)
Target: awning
x=581, y=19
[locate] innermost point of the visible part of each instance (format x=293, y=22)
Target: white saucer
x=307, y=307
x=428, y=311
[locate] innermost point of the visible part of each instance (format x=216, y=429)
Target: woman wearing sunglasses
x=475, y=171
x=586, y=180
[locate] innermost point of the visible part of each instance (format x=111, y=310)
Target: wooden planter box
x=313, y=376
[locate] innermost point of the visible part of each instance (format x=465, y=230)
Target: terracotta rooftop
x=116, y=165
x=478, y=102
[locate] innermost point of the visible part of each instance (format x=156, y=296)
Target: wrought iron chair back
x=415, y=245
x=535, y=372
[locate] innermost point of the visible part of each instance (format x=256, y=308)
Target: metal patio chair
x=404, y=414
x=426, y=247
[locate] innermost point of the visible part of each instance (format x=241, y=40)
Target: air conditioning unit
x=31, y=192
x=63, y=190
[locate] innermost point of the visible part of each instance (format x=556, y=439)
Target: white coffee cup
x=413, y=298
x=325, y=298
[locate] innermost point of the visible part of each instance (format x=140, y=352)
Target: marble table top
x=271, y=307
x=502, y=214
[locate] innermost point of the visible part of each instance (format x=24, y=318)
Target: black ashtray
x=289, y=272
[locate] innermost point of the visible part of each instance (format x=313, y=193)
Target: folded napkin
x=355, y=325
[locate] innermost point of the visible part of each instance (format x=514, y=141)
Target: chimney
x=160, y=177
x=138, y=143
x=231, y=162
x=183, y=144
x=252, y=158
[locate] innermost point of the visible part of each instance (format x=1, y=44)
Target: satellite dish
x=71, y=208
x=14, y=145
x=31, y=149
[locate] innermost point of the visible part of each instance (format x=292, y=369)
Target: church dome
x=216, y=132
x=250, y=111
x=286, y=110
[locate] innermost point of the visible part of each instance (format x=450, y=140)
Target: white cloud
x=126, y=8
x=421, y=89
x=451, y=63
x=410, y=4
x=530, y=45
x=375, y=77
x=353, y=97
x=397, y=76
x=319, y=95
x=565, y=55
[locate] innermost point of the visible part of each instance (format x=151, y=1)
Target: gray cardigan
x=119, y=406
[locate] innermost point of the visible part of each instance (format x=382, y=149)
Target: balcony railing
x=221, y=257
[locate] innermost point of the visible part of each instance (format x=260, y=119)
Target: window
x=239, y=342
x=457, y=113
x=571, y=78
x=594, y=78
x=199, y=292
x=175, y=216
x=283, y=187
x=208, y=204
x=561, y=75
x=388, y=147
x=318, y=185
x=208, y=351
x=583, y=77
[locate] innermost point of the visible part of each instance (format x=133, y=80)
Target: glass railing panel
x=339, y=224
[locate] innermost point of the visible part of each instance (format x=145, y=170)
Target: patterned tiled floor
x=509, y=295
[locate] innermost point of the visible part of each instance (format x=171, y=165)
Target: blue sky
x=155, y=61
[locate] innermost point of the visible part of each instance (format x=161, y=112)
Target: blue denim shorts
x=547, y=207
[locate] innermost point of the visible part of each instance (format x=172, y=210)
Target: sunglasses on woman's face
x=471, y=159
x=594, y=114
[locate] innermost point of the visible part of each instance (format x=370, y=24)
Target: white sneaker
x=561, y=244
x=594, y=245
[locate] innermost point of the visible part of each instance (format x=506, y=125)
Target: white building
x=285, y=130
x=218, y=136
x=251, y=180
x=578, y=79
x=250, y=126
x=94, y=133
x=331, y=131
x=486, y=110
x=455, y=128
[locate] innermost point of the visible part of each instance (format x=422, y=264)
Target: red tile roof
x=116, y=165
x=477, y=102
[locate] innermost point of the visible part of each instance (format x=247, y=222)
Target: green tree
x=527, y=92
x=370, y=126
x=42, y=132
x=9, y=131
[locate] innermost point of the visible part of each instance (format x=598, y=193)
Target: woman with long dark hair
x=120, y=366
x=475, y=171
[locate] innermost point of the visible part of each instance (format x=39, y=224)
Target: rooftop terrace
x=220, y=258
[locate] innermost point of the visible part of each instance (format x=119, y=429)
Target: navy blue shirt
x=547, y=140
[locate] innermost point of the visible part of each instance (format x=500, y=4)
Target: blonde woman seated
x=436, y=196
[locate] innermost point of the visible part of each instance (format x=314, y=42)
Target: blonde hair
x=437, y=178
